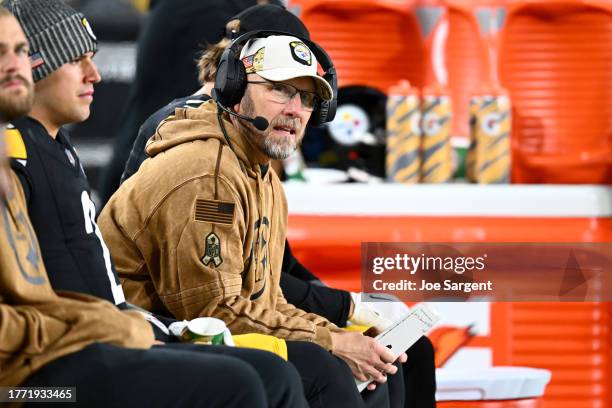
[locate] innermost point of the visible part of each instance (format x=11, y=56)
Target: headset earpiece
x=325, y=111
x=230, y=80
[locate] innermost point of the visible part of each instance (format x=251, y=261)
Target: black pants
x=174, y=375
x=419, y=373
x=328, y=381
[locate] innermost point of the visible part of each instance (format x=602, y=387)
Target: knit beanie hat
x=57, y=33
x=271, y=17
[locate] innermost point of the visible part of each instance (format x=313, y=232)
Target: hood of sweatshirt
x=202, y=123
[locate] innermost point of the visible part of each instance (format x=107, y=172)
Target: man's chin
x=13, y=112
x=20, y=91
x=80, y=116
x=280, y=152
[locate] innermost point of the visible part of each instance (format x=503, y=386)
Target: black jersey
x=138, y=155
x=62, y=213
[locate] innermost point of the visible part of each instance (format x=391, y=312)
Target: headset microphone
x=259, y=122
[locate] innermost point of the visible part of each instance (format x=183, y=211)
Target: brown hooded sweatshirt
x=36, y=324
x=199, y=230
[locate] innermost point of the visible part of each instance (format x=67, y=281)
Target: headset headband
x=322, y=56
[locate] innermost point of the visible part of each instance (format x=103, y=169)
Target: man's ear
x=237, y=107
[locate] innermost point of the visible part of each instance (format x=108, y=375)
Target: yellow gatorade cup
x=436, y=147
x=403, y=134
x=490, y=134
x=470, y=158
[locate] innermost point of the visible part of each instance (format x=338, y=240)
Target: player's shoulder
x=15, y=143
x=147, y=129
x=21, y=136
x=187, y=102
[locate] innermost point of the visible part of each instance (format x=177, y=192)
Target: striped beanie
x=57, y=33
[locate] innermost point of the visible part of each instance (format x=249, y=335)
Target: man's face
x=66, y=94
x=15, y=83
x=16, y=90
x=287, y=121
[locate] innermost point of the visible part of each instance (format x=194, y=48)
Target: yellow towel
x=356, y=327
x=274, y=344
x=15, y=147
x=262, y=342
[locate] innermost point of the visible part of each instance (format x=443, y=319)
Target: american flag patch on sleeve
x=216, y=212
x=36, y=60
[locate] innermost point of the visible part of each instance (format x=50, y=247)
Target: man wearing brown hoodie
x=75, y=340
x=300, y=287
x=199, y=230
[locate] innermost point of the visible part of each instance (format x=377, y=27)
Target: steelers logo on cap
x=300, y=53
x=88, y=29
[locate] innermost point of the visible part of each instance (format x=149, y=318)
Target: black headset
x=231, y=81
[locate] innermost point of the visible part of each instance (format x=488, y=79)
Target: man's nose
x=294, y=106
x=9, y=63
x=92, y=74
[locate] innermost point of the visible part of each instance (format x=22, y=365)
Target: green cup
x=207, y=330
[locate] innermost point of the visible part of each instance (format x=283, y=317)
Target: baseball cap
x=269, y=17
x=57, y=33
x=283, y=57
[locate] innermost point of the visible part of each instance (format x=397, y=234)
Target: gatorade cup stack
x=488, y=158
x=436, y=148
x=403, y=160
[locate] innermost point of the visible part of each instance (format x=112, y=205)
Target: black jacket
x=62, y=214
x=175, y=33
x=138, y=154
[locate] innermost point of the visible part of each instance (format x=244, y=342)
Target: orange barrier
x=524, y=403
x=570, y=339
x=555, y=61
x=331, y=244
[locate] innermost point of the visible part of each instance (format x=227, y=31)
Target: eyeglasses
x=280, y=92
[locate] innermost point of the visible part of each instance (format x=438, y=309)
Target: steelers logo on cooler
x=349, y=125
x=88, y=29
x=491, y=123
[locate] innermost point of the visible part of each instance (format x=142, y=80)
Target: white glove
x=365, y=315
x=388, y=305
x=381, y=312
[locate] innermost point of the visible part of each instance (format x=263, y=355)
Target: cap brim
x=324, y=89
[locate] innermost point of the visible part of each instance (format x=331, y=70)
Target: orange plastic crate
x=556, y=60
